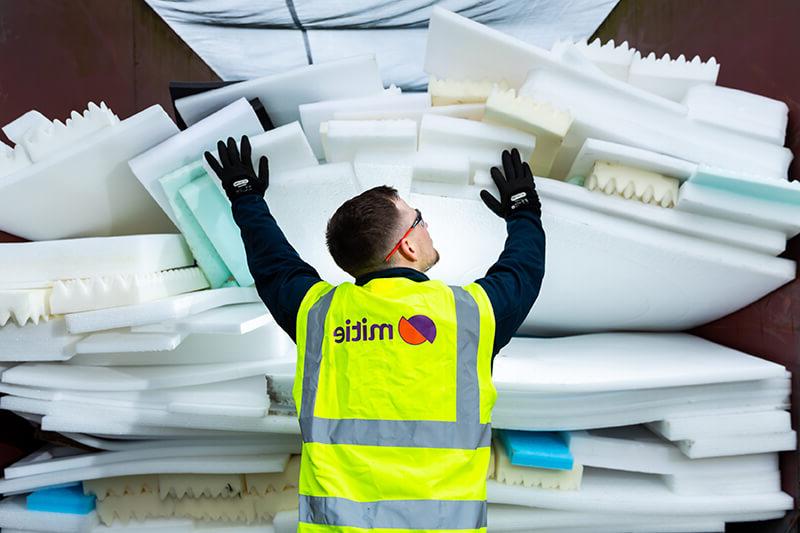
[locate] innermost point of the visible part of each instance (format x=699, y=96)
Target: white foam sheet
x=747, y=113
x=671, y=78
x=125, y=341
x=758, y=239
x=333, y=184
x=347, y=139
x=110, y=428
x=265, y=343
x=228, y=320
x=372, y=172
x=15, y=515
x=469, y=111
x=591, y=363
x=639, y=278
x=282, y=93
x=635, y=449
x=610, y=491
x=135, y=378
x=45, y=341
x=732, y=483
x=121, y=445
x=106, y=199
x=713, y=202
x=594, y=150
x=676, y=135
x=719, y=425
x=163, y=525
x=38, y=264
x=234, y=120
x=173, y=308
x=614, y=60
x=727, y=445
x=16, y=129
x=239, y=464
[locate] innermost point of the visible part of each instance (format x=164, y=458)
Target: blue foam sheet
x=540, y=449
x=65, y=499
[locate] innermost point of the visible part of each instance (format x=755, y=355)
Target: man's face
x=419, y=239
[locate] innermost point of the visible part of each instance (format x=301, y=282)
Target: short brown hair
x=360, y=232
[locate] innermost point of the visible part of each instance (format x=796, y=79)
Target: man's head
x=366, y=228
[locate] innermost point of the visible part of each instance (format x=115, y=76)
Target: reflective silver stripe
x=465, y=433
x=406, y=514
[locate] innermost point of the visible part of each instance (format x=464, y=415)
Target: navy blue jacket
x=282, y=278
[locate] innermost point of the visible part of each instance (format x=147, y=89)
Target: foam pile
x=167, y=387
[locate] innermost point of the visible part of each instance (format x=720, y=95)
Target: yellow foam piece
x=121, y=486
x=266, y=507
x=235, y=509
x=526, y=476
x=548, y=124
x=134, y=506
x=179, y=486
x=633, y=184
x=455, y=92
x=261, y=484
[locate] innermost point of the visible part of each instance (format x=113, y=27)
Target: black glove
x=517, y=189
x=236, y=172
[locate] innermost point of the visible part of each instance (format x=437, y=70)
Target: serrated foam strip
x=598, y=51
x=179, y=486
x=134, y=506
x=24, y=305
x=267, y=506
x=667, y=66
x=235, y=509
x=73, y=296
x=121, y=486
x=454, y=92
x=633, y=184
x=262, y=484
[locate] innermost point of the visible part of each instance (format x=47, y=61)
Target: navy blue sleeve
x=514, y=281
x=282, y=278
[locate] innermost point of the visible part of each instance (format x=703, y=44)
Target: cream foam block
x=110, y=200
x=719, y=425
x=747, y=113
x=762, y=240
x=45, y=341
x=347, y=139
x=671, y=78
x=461, y=92
x=173, y=308
x=633, y=184
x=234, y=120
x=38, y=264
x=614, y=60
x=282, y=93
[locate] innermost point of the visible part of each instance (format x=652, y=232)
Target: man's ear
x=408, y=250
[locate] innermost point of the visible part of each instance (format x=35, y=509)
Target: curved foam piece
x=15, y=130
x=109, y=201
x=124, y=341
x=671, y=281
x=671, y=78
x=124, y=430
x=233, y=120
x=635, y=449
x=74, y=296
x=235, y=319
x=123, y=445
x=614, y=60
x=14, y=514
x=747, y=113
x=726, y=445
x=159, y=465
x=594, y=150
x=37, y=264
x=45, y=341
x=611, y=491
x=677, y=135
x=282, y=93
x=766, y=241
x=24, y=305
x=91, y=378
x=718, y=425
x=172, y=308
x=346, y=139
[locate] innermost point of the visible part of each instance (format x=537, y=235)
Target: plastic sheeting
x=241, y=39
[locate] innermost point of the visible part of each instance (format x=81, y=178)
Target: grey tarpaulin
x=243, y=39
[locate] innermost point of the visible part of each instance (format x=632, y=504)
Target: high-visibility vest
x=394, y=396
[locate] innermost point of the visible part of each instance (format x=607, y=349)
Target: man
x=393, y=384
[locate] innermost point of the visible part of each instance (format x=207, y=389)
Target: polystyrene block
x=109, y=201
x=14, y=514
x=594, y=150
x=614, y=60
x=346, y=139
x=372, y=172
x=542, y=449
x=461, y=92
x=157, y=465
x=634, y=494
x=90, y=378
x=234, y=120
x=741, y=111
x=672, y=281
x=172, y=308
x=16, y=129
x=66, y=500
x=22, y=305
x=45, y=341
x=621, y=115
x=36, y=264
x=282, y=93
x=671, y=78
x=766, y=241
x=725, y=445
x=719, y=425
x=229, y=320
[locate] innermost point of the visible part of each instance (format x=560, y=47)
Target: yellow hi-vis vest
x=394, y=397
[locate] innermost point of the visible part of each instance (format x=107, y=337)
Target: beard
x=435, y=260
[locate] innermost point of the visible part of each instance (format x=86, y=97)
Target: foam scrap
x=614, y=60
x=134, y=506
x=12, y=159
x=121, y=486
x=671, y=78
x=24, y=305
x=234, y=509
x=267, y=506
x=526, y=476
x=179, y=486
x=267, y=483
x=633, y=184
x=454, y=92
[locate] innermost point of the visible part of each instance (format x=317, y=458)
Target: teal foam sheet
x=204, y=252
x=213, y=213
x=539, y=449
x=68, y=499
x=768, y=189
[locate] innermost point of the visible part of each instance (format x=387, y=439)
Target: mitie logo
x=415, y=330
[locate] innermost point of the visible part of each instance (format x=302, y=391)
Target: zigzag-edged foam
x=268, y=483
x=139, y=507
x=267, y=506
x=234, y=509
x=24, y=305
x=614, y=60
x=633, y=184
x=121, y=486
x=454, y=92
x=180, y=486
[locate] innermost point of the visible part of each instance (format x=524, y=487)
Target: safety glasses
x=416, y=223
